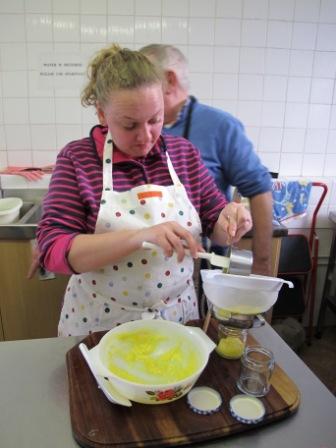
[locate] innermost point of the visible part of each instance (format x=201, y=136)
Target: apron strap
x=108, y=165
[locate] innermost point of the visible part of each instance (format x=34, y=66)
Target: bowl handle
x=98, y=367
x=210, y=345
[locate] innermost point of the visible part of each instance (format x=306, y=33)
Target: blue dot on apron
x=108, y=225
x=110, y=284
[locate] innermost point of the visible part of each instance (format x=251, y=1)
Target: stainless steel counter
x=34, y=406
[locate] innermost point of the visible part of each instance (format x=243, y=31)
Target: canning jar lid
x=204, y=400
x=246, y=409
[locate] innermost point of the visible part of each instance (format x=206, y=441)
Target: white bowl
x=10, y=210
x=173, y=342
x=241, y=294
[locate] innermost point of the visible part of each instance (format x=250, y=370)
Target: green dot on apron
x=132, y=212
x=159, y=285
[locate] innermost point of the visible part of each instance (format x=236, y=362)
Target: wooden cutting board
x=98, y=423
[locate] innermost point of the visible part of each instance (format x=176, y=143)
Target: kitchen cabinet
x=1, y=330
x=29, y=309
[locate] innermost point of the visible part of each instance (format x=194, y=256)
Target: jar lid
x=247, y=409
x=204, y=400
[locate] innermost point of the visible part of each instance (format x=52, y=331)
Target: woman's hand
x=171, y=237
x=233, y=222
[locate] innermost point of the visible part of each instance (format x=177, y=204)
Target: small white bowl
x=172, y=333
x=10, y=210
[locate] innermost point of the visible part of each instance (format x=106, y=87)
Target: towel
x=29, y=172
x=290, y=198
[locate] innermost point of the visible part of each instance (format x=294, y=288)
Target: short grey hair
x=168, y=57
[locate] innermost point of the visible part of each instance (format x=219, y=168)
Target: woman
x=122, y=186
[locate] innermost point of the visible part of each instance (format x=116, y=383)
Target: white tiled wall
x=272, y=63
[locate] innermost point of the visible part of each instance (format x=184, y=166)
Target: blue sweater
x=225, y=149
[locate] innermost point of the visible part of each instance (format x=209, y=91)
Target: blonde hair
x=115, y=68
x=168, y=57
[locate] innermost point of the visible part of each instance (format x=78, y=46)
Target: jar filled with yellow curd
x=231, y=342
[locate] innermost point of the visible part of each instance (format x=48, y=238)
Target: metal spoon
x=104, y=385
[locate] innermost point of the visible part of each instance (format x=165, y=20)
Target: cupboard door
x=1, y=330
x=29, y=308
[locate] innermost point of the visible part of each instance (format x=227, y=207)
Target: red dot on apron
x=189, y=224
x=94, y=295
x=167, y=273
x=115, y=268
x=118, y=214
x=94, y=282
x=142, y=202
x=113, y=299
x=179, y=300
x=73, y=310
x=79, y=280
x=144, y=261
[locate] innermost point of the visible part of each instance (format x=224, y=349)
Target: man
x=223, y=145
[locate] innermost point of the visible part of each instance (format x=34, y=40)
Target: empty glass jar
x=257, y=365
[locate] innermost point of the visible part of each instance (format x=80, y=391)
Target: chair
x=298, y=263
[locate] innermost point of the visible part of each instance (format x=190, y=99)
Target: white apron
x=146, y=280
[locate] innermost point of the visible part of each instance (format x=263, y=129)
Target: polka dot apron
x=145, y=281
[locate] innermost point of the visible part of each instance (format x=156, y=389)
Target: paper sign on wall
x=62, y=70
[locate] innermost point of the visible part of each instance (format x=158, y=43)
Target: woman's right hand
x=171, y=237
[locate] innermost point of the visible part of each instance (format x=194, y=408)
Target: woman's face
x=134, y=118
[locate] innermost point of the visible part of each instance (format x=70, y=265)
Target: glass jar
x=231, y=342
x=257, y=365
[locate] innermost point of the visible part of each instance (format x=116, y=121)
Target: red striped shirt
x=72, y=203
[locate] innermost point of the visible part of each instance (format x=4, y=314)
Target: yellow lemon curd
x=230, y=347
x=241, y=309
x=149, y=357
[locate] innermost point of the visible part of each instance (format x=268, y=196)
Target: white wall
x=272, y=63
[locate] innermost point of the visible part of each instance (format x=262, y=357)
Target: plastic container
x=231, y=342
x=10, y=210
x=241, y=294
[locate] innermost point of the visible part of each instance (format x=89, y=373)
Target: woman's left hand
x=235, y=220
